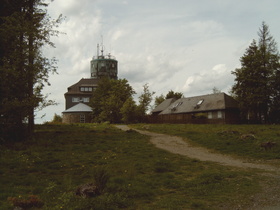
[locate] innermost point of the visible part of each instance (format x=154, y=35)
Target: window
x=86, y=89
x=82, y=118
x=200, y=102
x=85, y=99
x=210, y=115
x=220, y=114
x=75, y=99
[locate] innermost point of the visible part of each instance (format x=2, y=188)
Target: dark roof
x=74, y=89
x=165, y=104
x=218, y=101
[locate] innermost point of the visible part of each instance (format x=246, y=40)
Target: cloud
x=204, y=82
x=186, y=46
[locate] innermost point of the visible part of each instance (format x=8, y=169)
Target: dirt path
x=267, y=199
x=177, y=145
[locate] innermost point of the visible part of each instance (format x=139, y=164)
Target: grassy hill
x=48, y=169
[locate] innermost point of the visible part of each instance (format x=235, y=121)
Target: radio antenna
x=102, y=46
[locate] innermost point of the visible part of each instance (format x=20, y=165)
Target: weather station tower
x=103, y=65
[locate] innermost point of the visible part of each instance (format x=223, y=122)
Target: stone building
x=81, y=92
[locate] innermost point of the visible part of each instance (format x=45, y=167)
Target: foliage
x=159, y=100
x=129, y=111
x=109, y=98
x=101, y=178
x=145, y=100
x=172, y=94
x=25, y=29
x=141, y=176
x=216, y=90
x=256, y=84
x=56, y=118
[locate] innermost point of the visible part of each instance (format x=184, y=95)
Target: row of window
x=78, y=99
x=86, y=89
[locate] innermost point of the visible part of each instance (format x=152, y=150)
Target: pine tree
x=256, y=86
x=25, y=29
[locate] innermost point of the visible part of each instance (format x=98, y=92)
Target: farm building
x=216, y=108
x=81, y=92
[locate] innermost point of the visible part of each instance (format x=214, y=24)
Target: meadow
x=238, y=140
x=47, y=170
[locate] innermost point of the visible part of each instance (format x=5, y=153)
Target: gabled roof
x=162, y=106
x=74, y=89
x=80, y=107
x=218, y=101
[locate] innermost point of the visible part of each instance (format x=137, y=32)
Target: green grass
x=227, y=139
x=62, y=157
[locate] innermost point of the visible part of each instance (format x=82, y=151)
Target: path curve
x=177, y=145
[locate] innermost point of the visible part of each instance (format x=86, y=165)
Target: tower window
x=86, y=89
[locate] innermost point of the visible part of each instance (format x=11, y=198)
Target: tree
x=109, y=98
x=215, y=90
x=25, y=29
x=159, y=100
x=172, y=94
x=255, y=85
x=129, y=111
x=145, y=100
x=56, y=118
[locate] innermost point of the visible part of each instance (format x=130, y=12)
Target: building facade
x=81, y=92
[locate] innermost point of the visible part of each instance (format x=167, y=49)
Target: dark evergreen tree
x=256, y=86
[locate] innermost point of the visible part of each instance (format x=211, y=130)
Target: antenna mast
x=102, y=46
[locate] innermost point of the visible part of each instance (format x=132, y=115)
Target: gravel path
x=177, y=145
x=267, y=199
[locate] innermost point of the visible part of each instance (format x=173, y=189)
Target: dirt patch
x=177, y=145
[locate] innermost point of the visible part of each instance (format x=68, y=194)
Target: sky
x=188, y=46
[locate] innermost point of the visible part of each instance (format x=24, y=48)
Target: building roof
x=218, y=101
x=162, y=106
x=74, y=89
x=80, y=107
